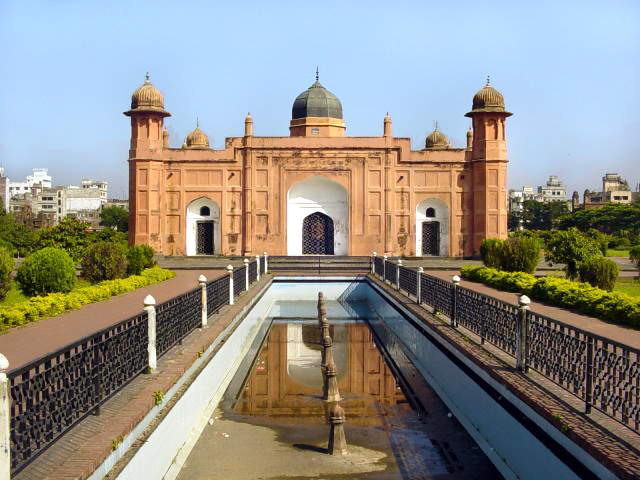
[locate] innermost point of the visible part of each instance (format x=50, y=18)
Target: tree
x=570, y=247
x=541, y=215
x=115, y=217
x=609, y=219
x=70, y=235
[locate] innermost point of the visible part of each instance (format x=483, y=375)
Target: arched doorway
x=203, y=227
x=432, y=227
x=317, y=234
x=325, y=197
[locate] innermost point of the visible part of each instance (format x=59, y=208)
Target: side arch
x=197, y=215
x=317, y=194
x=434, y=211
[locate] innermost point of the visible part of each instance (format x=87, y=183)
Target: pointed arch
x=203, y=227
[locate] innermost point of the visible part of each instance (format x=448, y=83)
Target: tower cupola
x=436, y=140
x=488, y=99
x=197, y=138
x=147, y=98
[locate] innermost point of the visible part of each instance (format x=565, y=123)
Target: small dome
x=316, y=101
x=197, y=138
x=436, y=139
x=147, y=97
x=488, y=99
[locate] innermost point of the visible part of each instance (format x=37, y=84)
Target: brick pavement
x=618, y=333
x=605, y=444
x=35, y=340
x=83, y=449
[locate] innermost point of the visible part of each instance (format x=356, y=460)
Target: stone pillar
x=337, y=440
x=266, y=264
x=419, y=285
x=202, y=280
x=5, y=421
x=454, y=301
x=258, y=266
x=398, y=273
x=246, y=273
x=230, y=270
x=521, y=332
x=150, y=308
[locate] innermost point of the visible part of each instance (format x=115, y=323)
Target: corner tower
x=317, y=112
x=489, y=165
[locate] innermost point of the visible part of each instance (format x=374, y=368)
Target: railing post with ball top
x=5, y=419
x=521, y=332
x=419, y=285
x=258, y=267
x=398, y=266
x=246, y=272
x=454, y=298
x=384, y=268
x=373, y=262
x=150, y=308
x=230, y=270
x=202, y=280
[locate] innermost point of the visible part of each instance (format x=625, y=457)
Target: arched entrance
x=317, y=234
x=203, y=227
x=317, y=218
x=432, y=227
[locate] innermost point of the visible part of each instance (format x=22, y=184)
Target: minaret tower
x=147, y=121
x=489, y=166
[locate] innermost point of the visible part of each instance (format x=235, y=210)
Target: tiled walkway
x=24, y=344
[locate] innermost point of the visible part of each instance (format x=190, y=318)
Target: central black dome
x=316, y=101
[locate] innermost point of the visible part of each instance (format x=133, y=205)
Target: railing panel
x=51, y=394
x=217, y=294
x=253, y=270
x=239, y=280
x=176, y=318
x=390, y=272
x=409, y=280
x=437, y=293
x=263, y=264
x=378, y=265
x=492, y=319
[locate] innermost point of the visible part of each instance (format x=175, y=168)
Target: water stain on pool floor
x=271, y=423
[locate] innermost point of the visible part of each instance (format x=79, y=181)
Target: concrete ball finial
x=149, y=300
x=246, y=261
x=456, y=279
x=229, y=268
x=524, y=300
x=202, y=279
x=4, y=363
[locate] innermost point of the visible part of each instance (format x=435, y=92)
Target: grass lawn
x=16, y=296
x=628, y=285
x=617, y=253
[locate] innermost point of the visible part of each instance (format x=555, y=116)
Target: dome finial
x=317, y=75
x=488, y=80
x=197, y=122
x=436, y=129
x=146, y=79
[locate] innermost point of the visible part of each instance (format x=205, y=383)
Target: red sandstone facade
x=259, y=194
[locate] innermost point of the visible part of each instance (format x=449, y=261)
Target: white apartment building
x=39, y=179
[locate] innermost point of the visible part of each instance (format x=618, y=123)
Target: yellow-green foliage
x=614, y=307
x=55, y=303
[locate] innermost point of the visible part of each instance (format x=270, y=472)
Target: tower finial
x=146, y=78
x=197, y=122
x=436, y=129
x=317, y=75
x=488, y=80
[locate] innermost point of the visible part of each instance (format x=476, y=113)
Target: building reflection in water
x=286, y=379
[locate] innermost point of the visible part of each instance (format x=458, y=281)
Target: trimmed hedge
x=613, y=307
x=140, y=257
x=48, y=270
x=599, y=272
x=105, y=261
x=515, y=254
x=56, y=303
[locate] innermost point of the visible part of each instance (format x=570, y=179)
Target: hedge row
x=611, y=306
x=56, y=303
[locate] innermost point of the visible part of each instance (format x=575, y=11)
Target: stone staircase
x=320, y=265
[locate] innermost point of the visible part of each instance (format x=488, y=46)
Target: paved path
x=22, y=345
x=623, y=335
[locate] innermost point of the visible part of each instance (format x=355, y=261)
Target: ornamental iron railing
x=176, y=318
x=601, y=372
x=253, y=270
x=263, y=264
x=239, y=280
x=408, y=280
x=217, y=294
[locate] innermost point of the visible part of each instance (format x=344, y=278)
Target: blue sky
x=569, y=71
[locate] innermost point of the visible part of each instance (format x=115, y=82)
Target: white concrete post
x=521, y=332
x=373, y=263
x=384, y=268
x=203, y=289
x=454, y=307
x=5, y=421
x=258, y=269
x=230, y=270
x=419, y=285
x=150, y=307
x=398, y=274
x=246, y=273
x=266, y=265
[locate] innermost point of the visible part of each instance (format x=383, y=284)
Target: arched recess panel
x=432, y=224
x=203, y=227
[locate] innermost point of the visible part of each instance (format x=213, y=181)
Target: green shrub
x=57, y=303
x=601, y=239
x=46, y=271
x=140, y=257
x=634, y=256
x=104, y=261
x=491, y=252
x=6, y=267
x=520, y=254
x=599, y=272
x=618, y=243
x=612, y=306
x=570, y=247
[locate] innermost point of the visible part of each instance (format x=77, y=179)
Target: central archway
x=317, y=235
x=329, y=199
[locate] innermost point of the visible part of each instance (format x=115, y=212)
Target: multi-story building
x=40, y=179
x=553, y=191
x=517, y=197
x=4, y=190
x=615, y=189
x=317, y=191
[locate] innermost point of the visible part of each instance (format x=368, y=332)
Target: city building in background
x=4, y=189
x=317, y=191
x=39, y=179
x=615, y=189
x=553, y=191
